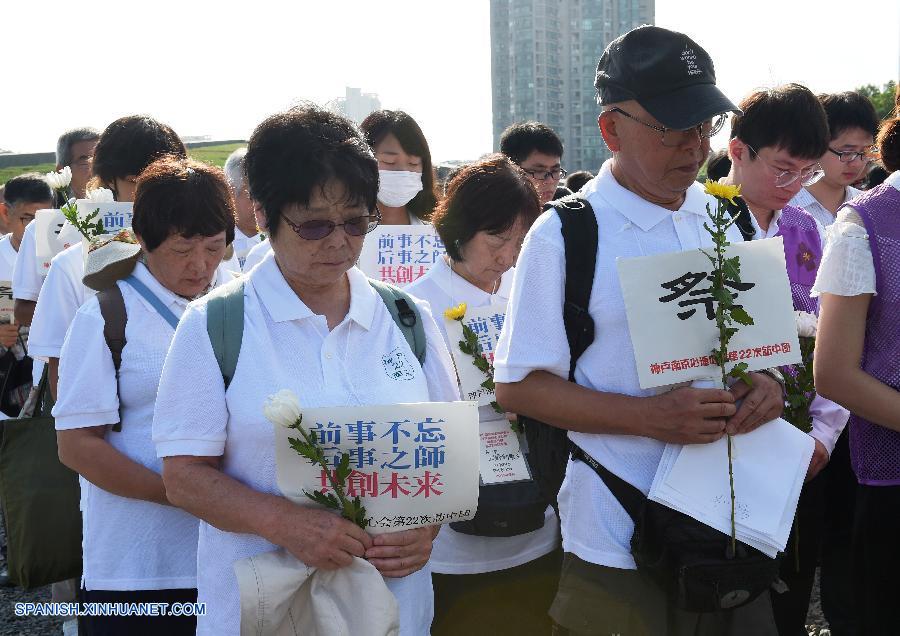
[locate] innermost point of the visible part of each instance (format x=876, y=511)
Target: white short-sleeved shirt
x=61, y=296
x=27, y=275
x=805, y=199
x=594, y=526
x=455, y=552
x=7, y=258
x=256, y=254
x=128, y=544
x=847, y=267
x=285, y=346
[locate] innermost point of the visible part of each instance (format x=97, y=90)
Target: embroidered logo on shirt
x=397, y=365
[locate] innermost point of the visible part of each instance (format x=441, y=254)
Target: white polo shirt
x=455, y=552
x=243, y=244
x=128, y=544
x=805, y=199
x=594, y=526
x=285, y=346
x=61, y=296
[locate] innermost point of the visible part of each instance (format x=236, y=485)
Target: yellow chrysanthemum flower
x=455, y=313
x=722, y=190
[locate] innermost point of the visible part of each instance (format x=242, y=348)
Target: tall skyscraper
x=543, y=57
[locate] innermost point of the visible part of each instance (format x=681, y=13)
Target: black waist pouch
x=692, y=562
x=506, y=510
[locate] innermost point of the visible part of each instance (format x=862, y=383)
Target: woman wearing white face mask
x=406, y=194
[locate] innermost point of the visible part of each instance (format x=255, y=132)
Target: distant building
x=543, y=57
x=355, y=104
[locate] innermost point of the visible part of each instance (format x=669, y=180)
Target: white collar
x=893, y=179
x=169, y=298
x=284, y=305
x=639, y=211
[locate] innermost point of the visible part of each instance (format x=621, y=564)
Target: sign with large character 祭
x=671, y=313
x=400, y=254
x=47, y=242
x=413, y=464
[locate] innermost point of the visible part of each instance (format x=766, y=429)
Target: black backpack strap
x=579, y=231
x=743, y=217
x=629, y=497
x=112, y=308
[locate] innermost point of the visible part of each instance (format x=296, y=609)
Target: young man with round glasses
x=852, y=124
x=775, y=149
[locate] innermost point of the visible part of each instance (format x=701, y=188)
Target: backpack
x=549, y=446
x=225, y=322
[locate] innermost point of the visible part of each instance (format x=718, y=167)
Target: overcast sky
x=218, y=68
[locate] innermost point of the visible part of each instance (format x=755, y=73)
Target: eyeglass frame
x=866, y=155
x=296, y=227
x=817, y=172
x=548, y=174
x=716, y=128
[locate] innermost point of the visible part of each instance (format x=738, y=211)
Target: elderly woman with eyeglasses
x=312, y=324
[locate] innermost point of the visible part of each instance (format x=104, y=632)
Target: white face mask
x=396, y=188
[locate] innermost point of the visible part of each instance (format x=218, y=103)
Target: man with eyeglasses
x=852, y=125
x=660, y=106
x=538, y=150
x=775, y=147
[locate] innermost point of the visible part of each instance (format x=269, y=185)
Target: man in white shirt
x=660, y=106
x=246, y=229
x=852, y=124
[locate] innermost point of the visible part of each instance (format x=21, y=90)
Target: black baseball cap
x=666, y=72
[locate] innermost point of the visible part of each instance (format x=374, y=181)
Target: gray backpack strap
x=405, y=314
x=112, y=308
x=225, y=325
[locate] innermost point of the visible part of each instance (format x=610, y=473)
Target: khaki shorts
x=595, y=600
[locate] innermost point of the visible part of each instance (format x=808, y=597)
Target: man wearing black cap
x=660, y=106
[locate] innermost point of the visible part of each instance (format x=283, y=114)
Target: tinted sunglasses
x=318, y=229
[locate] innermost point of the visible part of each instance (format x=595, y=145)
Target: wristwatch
x=775, y=374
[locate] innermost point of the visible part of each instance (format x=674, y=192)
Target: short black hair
x=849, y=110
x=293, y=152
x=718, y=165
x=130, y=144
x=486, y=196
x=576, y=180
x=788, y=117
x=381, y=123
x=182, y=196
x=30, y=187
x=520, y=140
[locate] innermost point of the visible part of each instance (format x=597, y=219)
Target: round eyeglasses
x=318, y=229
x=784, y=178
x=848, y=156
x=672, y=138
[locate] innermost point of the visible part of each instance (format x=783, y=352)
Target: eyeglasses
x=541, y=175
x=672, y=138
x=849, y=156
x=318, y=229
x=784, y=178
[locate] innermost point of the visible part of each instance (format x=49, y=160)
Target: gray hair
x=69, y=139
x=234, y=170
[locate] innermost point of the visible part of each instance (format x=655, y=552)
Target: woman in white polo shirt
x=137, y=546
x=487, y=579
x=312, y=324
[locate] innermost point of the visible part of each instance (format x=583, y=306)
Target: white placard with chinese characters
x=486, y=322
x=671, y=313
x=502, y=460
x=115, y=216
x=413, y=464
x=400, y=254
x=7, y=304
x=47, y=240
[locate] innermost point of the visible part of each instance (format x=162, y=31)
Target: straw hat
x=110, y=258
